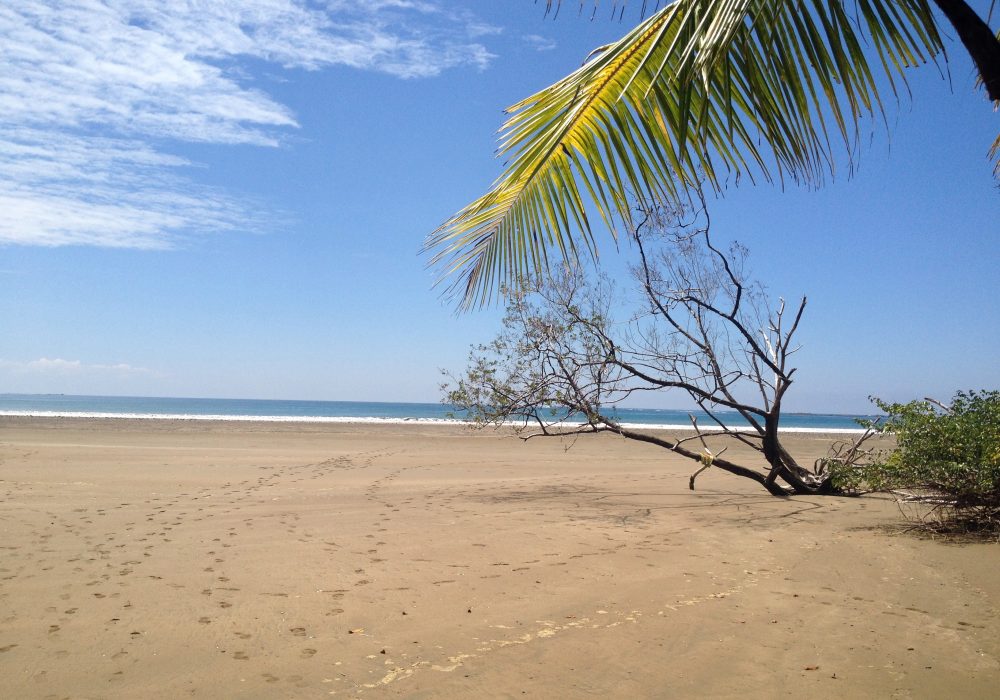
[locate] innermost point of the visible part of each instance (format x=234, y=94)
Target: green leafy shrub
x=947, y=457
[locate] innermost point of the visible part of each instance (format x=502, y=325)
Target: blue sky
x=231, y=204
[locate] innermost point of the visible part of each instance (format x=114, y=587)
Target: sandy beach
x=166, y=559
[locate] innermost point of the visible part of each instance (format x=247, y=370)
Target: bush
x=947, y=457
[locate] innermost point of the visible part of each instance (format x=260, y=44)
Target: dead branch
x=562, y=361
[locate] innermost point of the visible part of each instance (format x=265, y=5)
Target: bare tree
x=562, y=363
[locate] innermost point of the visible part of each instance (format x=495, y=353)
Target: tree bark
x=770, y=446
x=978, y=39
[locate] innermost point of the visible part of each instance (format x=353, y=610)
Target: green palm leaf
x=702, y=90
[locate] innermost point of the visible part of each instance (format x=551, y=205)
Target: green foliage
x=945, y=456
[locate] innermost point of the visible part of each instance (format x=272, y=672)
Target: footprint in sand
x=241, y=656
x=307, y=653
x=298, y=631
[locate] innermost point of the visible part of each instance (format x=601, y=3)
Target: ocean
x=146, y=407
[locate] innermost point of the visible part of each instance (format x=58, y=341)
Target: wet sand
x=166, y=559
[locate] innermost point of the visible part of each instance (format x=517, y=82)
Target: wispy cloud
x=91, y=91
x=57, y=375
x=60, y=367
x=66, y=189
x=538, y=42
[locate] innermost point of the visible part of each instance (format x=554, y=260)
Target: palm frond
x=995, y=157
x=700, y=90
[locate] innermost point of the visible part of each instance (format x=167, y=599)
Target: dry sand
x=167, y=559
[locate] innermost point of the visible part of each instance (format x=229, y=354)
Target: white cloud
x=538, y=42
x=65, y=189
x=85, y=87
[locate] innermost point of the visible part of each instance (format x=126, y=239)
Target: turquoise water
x=337, y=411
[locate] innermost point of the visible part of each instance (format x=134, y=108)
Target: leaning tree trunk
x=724, y=464
x=784, y=466
x=771, y=447
x=978, y=39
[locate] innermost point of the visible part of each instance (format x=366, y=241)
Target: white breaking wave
x=365, y=420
